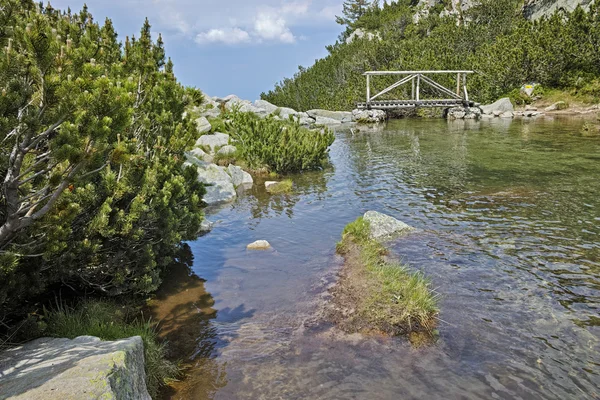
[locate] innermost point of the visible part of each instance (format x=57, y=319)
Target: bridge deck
x=392, y=104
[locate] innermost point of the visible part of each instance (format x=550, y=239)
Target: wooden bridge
x=417, y=79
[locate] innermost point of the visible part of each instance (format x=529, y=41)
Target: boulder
x=383, y=225
x=259, y=245
x=285, y=112
x=507, y=114
x=239, y=177
x=227, y=150
x=304, y=119
x=211, y=141
x=327, y=121
x=499, y=106
x=220, y=188
x=559, y=105
x=206, y=226
x=369, y=116
x=265, y=105
x=198, y=154
x=203, y=125
x=340, y=116
x=81, y=368
x=463, y=113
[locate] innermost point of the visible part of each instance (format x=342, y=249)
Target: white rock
x=215, y=140
x=500, y=106
x=368, y=116
x=198, y=154
x=82, y=368
x=383, y=225
x=326, y=121
x=340, y=116
x=203, y=125
x=265, y=105
x=227, y=150
x=206, y=226
x=219, y=187
x=259, y=245
x=559, y=105
x=239, y=177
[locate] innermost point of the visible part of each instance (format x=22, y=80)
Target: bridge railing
x=416, y=79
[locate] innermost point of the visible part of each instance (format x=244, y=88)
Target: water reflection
x=509, y=232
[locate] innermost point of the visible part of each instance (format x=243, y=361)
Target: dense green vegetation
x=93, y=195
x=494, y=39
x=271, y=145
x=397, y=301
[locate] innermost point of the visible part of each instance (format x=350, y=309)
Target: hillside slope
x=496, y=39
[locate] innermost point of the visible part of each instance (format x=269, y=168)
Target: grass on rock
x=394, y=300
x=284, y=186
x=110, y=321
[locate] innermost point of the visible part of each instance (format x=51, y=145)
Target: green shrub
x=109, y=321
x=279, y=146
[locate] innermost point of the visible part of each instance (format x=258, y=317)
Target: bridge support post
x=458, y=84
x=418, y=87
x=368, y=90
x=412, y=96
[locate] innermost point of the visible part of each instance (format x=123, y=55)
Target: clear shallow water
x=509, y=231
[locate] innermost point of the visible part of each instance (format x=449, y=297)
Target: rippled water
x=509, y=231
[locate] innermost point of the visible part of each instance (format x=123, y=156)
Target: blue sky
x=226, y=47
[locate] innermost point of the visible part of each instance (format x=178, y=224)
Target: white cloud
x=271, y=27
x=227, y=36
x=225, y=21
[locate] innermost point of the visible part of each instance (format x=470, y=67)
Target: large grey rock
x=239, y=177
x=501, y=106
x=535, y=9
x=383, y=225
x=559, y=105
x=212, y=141
x=227, y=150
x=326, y=121
x=265, y=105
x=463, y=113
x=203, y=125
x=82, y=368
x=198, y=154
x=304, y=119
x=220, y=188
x=369, y=116
x=341, y=116
x=285, y=112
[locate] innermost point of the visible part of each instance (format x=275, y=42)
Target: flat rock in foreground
x=82, y=368
x=383, y=225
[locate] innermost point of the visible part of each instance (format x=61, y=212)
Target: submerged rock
x=259, y=245
x=82, y=368
x=206, y=226
x=501, y=106
x=383, y=225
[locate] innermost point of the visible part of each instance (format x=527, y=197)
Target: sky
x=224, y=47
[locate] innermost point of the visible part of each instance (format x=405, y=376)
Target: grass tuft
x=109, y=321
x=284, y=186
x=397, y=300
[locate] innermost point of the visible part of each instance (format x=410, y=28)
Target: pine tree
x=352, y=11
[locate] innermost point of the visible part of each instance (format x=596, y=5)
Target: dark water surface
x=509, y=232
